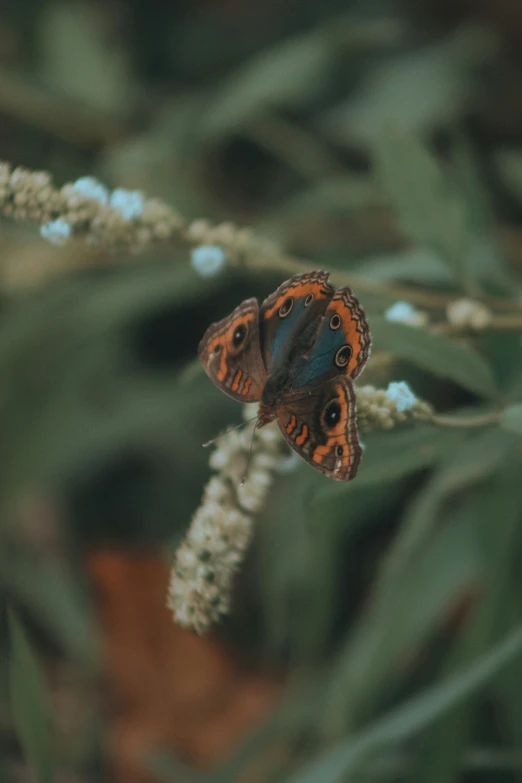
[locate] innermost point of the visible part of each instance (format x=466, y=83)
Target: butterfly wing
x=319, y=423
x=230, y=352
x=290, y=311
x=341, y=346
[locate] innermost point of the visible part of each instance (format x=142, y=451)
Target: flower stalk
x=204, y=565
x=31, y=196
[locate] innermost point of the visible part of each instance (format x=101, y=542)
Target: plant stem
x=511, y=322
x=418, y=296
x=464, y=422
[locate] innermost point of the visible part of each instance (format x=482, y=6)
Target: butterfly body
x=297, y=355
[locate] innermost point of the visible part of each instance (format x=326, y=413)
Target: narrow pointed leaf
x=412, y=716
x=511, y=419
x=428, y=210
x=28, y=699
x=435, y=353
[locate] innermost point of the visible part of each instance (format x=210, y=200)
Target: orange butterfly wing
x=230, y=353
x=319, y=423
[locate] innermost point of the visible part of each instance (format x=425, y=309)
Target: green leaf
x=79, y=60
x=392, y=455
x=341, y=196
x=507, y=684
x=443, y=570
x=419, y=88
x=77, y=335
x=412, y=716
x=417, y=265
x=385, y=632
x=508, y=163
x=428, y=211
x=29, y=705
x=487, y=260
x=480, y=455
x=52, y=596
x=466, y=464
x=413, y=595
x=511, y=419
x=435, y=353
x=495, y=516
x=391, y=84
x=288, y=75
x=168, y=769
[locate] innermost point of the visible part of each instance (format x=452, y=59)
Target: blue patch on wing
x=321, y=360
x=285, y=328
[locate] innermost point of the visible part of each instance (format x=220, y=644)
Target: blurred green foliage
x=30, y=710
x=383, y=139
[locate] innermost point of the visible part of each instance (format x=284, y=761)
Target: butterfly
x=297, y=355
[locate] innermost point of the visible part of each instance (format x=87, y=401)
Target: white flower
x=205, y=564
x=207, y=260
x=265, y=460
x=216, y=490
x=187, y=559
x=57, y=231
x=401, y=394
x=252, y=493
x=215, y=544
x=405, y=313
x=92, y=188
x=288, y=464
x=467, y=313
x=230, y=455
x=270, y=434
x=129, y=203
x=380, y=409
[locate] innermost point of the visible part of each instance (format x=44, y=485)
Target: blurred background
x=344, y=658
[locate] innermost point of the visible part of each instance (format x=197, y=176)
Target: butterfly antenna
x=249, y=451
x=237, y=427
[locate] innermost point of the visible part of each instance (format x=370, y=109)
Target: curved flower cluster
x=86, y=209
x=220, y=531
x=468, y=314
x=385, y=409
x=235, y=242
x=123, y=220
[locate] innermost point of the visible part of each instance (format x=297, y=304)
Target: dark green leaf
x=29, y=704
x=412, y=716
x=435, y=353
x=511, y=419
x=286, y=76
x=479, y=456
x=49, y=593
x=392, y=455
x=507, y=685
x=496, y=514
x=487, y=262
x=413, y=265
x=418, y=88
x=168, y=769
x=77, y=62
x=508, y=163
x=428, y=211
x=384, y=633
